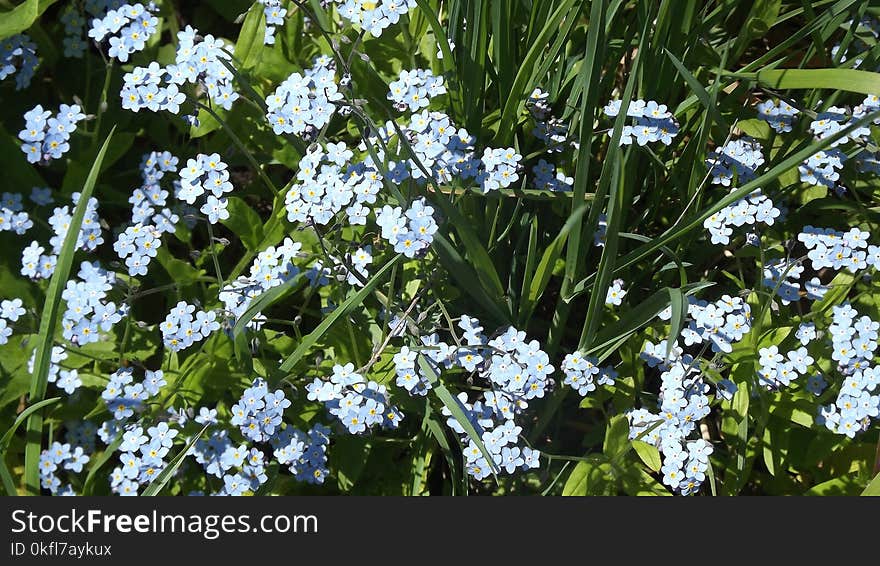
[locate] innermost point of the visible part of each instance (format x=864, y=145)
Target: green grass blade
x=850, y=80
x=266, y=300
x=479, y=257
x=4, y=442
x=542, y=273
x=455, y=407
x=100, y=462
x=349, y=305
x=678, y=303
x=159, y=482
x=530, y=68
x=468, y=280
x=699, y=90
x=49, y=323
x=7, y=479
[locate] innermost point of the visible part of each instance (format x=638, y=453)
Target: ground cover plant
x=558, y=247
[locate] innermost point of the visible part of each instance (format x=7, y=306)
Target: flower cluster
x=854, y=339
x=88, y=312
x=274, y=13
x=779, y=115
x=652, y=122
x=60, y=457
x=46, y=137
x=12, y=215
x=374, y=16
x=549, y=129
x=75, y=18
x=150, y=196
x=10, y=311
x=682, y=403
x=37, y=265
x=358, y=404
x=546, y=177
x=750, y=210
x=737, y=160
x=499, y=169
x=719, y=325
x=124, y=398
x=126, y=29
x=197, y=62
x=517, y=371
x=183, y=326
x=499, y=434
x=18, y=54
x=778, y=370
x=206, y=173
x=414, y=89
x=583, y=374
x=410, y=232
x=139, y=243
x=142, y=457
x=272, y=267
x=327, y=185
x=836, y=250
x=304, y=454
x=822, y=168
x=258, y=413
x=303, y=104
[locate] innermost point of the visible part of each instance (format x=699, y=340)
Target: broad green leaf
x=590, y=477
x=873, y=488
x=244, y=223
x=616, y=437
x=648, y=454
x=22, y=17
x=249, y=46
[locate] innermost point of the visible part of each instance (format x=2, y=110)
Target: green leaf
x=735, y=426
x=589, y=477
x=850, y=80
x=648, y=454
x=616, y=437
x=49, y=323
x=244, y=223
x=342, y=310
x=7, y=480
x=873, y=488
x=162, y=478
x=22, y=17
x=249, y=46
